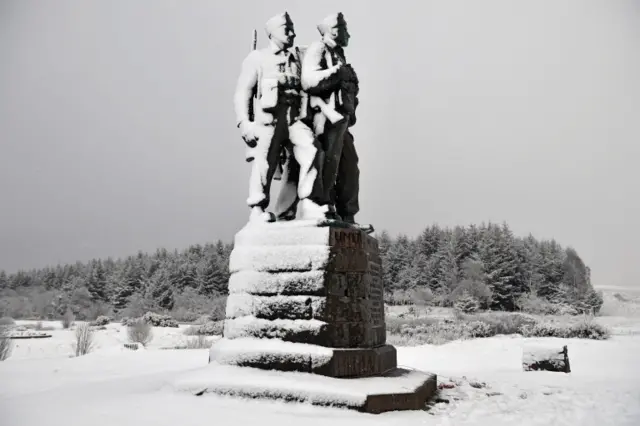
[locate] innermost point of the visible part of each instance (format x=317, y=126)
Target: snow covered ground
x=41, y=384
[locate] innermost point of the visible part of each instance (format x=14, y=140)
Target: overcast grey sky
x=117, y=129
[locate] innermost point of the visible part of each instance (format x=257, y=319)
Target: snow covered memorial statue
x=332, y=85
x=305, y=313
x=269, y=128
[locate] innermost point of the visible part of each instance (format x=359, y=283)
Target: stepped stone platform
x=306, y=302
x=398, y=389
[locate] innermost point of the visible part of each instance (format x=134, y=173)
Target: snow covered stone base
x=275, y=354
x=305, y=322
x=399, y=389
x=308, y=283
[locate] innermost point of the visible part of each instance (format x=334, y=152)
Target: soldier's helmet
x=330, y=22
x=277, y=21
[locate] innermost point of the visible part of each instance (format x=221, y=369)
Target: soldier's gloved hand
x=347, y=73
x=248, y=132
x=354, y=76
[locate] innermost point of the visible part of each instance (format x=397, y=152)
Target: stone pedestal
x=309, y=298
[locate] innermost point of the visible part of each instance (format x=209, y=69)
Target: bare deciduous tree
x=200, y=342
x=140, y=332
x=6, y=344
x=84, y=339
x=67, y=319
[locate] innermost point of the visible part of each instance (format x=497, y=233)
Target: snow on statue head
x=333, y=29
x=280, y=30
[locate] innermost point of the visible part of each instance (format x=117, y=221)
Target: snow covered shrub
x=101, y=321
x=505, y=322
x=6, y=321
x=398, y=297
x=466, y=303
x=564, y=309
x=477, y=329
x=158, y=320
x=588, y=329
x=431, y=331
x=396, y=325
x=139, y=331
x=84, y=339
x=590, y=303
x=67, y=319
x=393, y=324
x=447, y=331
x=414, y=331
x=584, y=329
x=544, y=329
x=532, y=304
x=219, y=309
x=200, y=342
x=184, y=315
x=6, y=344
x=203, y=319
x=153, y=319
x=212, y=328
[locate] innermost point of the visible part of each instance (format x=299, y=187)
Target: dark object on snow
x=132, y=346
x=545, y=359
x=29, y=336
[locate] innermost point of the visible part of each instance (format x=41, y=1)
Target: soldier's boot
x=309, y=210
x=368, y=228
x=331, y=213
x=258, y=215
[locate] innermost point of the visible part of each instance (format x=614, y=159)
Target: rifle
x=254, y=93
x=250, y=113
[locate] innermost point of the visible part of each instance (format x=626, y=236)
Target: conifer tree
x=445, y=273
x=399, y=257
x=430, y=240
x=97, y=282
x=466, y=303
x=552, y=270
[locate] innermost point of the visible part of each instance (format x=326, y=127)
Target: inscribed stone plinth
x=311, y=285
